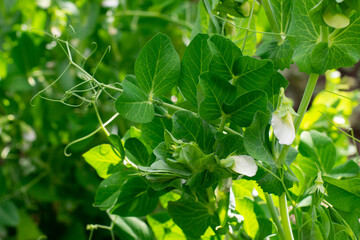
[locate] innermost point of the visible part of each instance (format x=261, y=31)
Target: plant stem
x=285, y=220
x=223, y=122
x=248, y=26
x=274, y=216
x=272, y=20
x=214, y=21
x=324, y=34
x=99, y=119
x=301, y=112
x=168, y=105
x=155, y=15
x=306, y=99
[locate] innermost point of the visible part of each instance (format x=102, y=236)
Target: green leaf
x=131, y=228
x=136, y=152
x=193, y=158
x=246, y=208
x=272, y=89
x=266, y=228
x=153, y=132
x=235, y=8
x=340, y=197
x=310, y=230
x=157, y=67
x=164, y=227
x=351, y=185
x=280, y=55
x=238, y=36
x=9, y=215
x=217, y=91
x=133, y=199
x=340, y=49
x=225, y=52
x=255, y=140
x=227, y=144
x=348, y=169
x=134, y=104
x=117, y=144
x=27, y=228
x=319, y=148
x=161, y=175
x=281, y=10
x=202, y=180
x=193, y=217
x=355, y=4
x=101, y=158
x=325, y=220
x=196, y=60
x=109, y=189
x=191, y=128
x=270, y=184
x=251, y=73
x=243, y=109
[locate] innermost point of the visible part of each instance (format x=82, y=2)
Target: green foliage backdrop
x=152, y=119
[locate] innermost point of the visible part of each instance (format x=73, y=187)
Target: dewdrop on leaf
x=282, y=120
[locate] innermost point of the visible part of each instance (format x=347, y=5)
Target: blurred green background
x=43, y=192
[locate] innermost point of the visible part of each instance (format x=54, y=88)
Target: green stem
x=274, y=216
x=168, y=105
x=248, y=26
x=214, y=21
x=229, y=130
x=324, y=34
x=272, y=20
x=211, y=196
x=223, y=122
x=306, y=99
x=223, y=200
x=155, y=15
x=285, y=220
x=301, y=112
x=99, y=119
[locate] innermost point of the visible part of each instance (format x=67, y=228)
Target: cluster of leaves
x=197, y=116
x=42, y=192
x=219, y=85
x=181, y=147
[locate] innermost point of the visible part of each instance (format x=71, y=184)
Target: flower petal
x=283, y=128
x=245, y=165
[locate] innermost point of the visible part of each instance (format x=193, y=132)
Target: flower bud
x=283, y=128
x=282, y=120
x=241, y=164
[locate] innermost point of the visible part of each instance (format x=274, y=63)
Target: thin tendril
x=89, y=135
x=57, y=79
x=340, y=95
x=92, y=52
x=353, y=138
x=107, y=50
x=250, y=30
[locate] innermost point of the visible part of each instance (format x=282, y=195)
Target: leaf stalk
x=284, y=214
x=274, y=216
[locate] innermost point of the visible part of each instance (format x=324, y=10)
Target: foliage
x=200, y=160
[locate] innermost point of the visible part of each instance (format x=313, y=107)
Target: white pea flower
x=283, y=127
x=282, y=120
x=241, y=164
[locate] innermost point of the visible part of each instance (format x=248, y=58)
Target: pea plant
x=216, y=151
